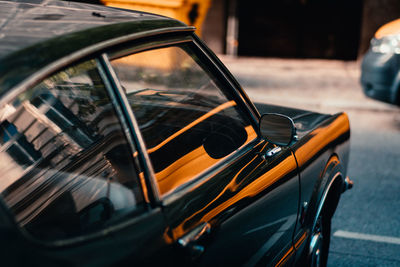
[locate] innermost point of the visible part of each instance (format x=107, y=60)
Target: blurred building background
x=326, y=29
x=329, y=29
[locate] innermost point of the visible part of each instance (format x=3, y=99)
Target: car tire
x=319, y=241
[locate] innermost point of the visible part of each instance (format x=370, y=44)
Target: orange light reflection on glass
x=194, y=162
x=183, y=169
x=192, y=124
x=190, y=165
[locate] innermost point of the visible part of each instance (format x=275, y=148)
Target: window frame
x=142, y=208
x=230, y=87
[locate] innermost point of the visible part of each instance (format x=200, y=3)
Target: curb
x=321, y=105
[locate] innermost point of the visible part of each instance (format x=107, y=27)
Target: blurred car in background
x=380, y=76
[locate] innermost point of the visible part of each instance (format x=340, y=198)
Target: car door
x=226, y=201
x=70, y=185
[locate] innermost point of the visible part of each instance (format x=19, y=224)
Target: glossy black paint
x=24, y=56
x=248, y=207
x=245, y=206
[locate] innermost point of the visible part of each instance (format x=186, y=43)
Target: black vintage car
x=125, y=141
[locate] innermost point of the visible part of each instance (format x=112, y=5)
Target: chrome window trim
x=103, y=67
x=240, y=94
x=133, y=127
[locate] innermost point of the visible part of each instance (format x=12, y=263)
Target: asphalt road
x=366, y=226
x=372, y=207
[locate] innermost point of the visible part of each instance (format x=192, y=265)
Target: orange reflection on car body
x=321, y=137
x=273, y=175
x=231, y=187
x=289, y=253
x=285, y=257
x=301, y=240
x=257, y=186
x=291, y=250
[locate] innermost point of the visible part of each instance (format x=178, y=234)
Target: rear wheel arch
x=331, y=187
x=330, y=190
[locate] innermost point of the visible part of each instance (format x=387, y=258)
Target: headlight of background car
x=386, y=44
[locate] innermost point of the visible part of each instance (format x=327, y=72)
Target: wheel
x=319, y=241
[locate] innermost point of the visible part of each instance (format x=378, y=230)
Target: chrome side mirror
x=277, y=129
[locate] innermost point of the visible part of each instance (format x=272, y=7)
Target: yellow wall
x=178, y=9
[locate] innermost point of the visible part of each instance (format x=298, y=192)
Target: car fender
x=327, y=190
x=332, y=183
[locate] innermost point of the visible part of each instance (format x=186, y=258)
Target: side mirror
x=277, y=129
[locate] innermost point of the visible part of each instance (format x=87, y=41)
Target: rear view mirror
x=277, y=129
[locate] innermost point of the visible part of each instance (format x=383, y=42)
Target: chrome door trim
x=134, y=131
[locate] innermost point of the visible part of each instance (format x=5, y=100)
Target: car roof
x=35, y=33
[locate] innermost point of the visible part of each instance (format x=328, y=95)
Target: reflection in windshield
x=187, y=121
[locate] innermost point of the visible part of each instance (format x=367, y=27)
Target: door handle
x=273, y=151
x=195, y=234
x=189, y=240
x=270, y=153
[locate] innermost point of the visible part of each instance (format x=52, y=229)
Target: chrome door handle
x=189, y=241
x=270, y=153
x=195, y=235
x=273, y=151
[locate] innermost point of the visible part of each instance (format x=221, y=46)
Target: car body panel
x=321, y=138
x=244, y=203
x=27, y=23
x=119, y=247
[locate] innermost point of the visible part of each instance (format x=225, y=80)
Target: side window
x=188, y=123
x=66, y=168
